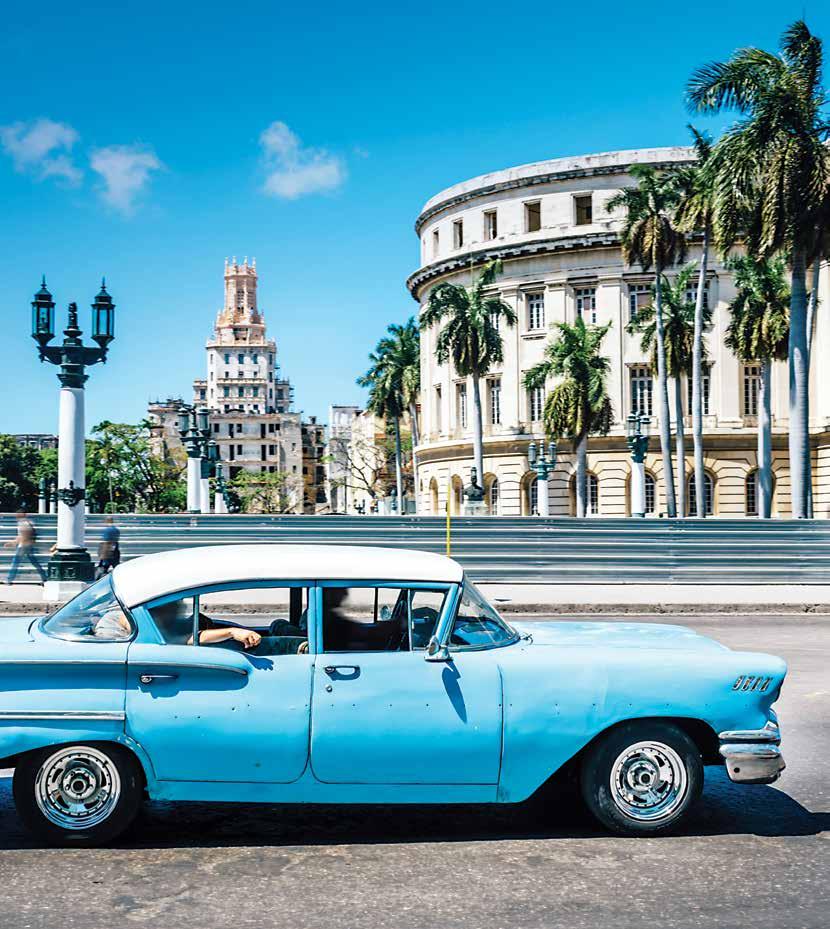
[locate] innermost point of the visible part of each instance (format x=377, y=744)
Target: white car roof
x=151, y=576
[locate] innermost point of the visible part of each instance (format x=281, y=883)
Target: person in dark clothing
x=24, y=547
x=109, y=550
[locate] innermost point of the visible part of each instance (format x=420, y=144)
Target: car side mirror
x=436, y=651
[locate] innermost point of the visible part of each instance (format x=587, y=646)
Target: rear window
x=94, y=615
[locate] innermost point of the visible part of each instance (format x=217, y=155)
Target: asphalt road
x=751, y=856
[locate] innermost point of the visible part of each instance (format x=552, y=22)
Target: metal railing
x=509, y=549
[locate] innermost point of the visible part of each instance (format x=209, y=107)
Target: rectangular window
x=461, y=405
x=227, y=358
x=238, y=449
x=752, y=385
x=436, y=243
x=379, y=619
x=641, y=390
x=583, y=209
x=238, y=428
x=255, y=391
x=491, y=224
x=458, y=234
x=535, y=310
x=254, y=358
x=231, y=453
x=438, y=410
x=263, y=452
x=216, y=428
x=691, y=294
x=240, y=359
x=495, y=321
x=535, y=403
x=586, y=305
x=639, y=296
x=226, y=391
x=704, y=390
x=494, y=386
x=240, y=391
x=533, y=216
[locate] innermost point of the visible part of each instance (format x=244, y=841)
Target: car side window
x=379, y=619
x=263, y=620
x=94, y=614
x=477, y=624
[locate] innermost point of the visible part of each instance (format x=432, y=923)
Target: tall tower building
x=249, y=402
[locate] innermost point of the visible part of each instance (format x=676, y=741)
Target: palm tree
x=694, y=214
x=771, y=171
x=386, y=391
x=579, y=405
x=650, y=239
x=759, y=332
x=679, y=331
x=470, y=337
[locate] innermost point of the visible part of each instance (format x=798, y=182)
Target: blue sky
x=135, y=144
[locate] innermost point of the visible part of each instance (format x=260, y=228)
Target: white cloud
x=293, y=169
x=42, y=147
x=125, y=171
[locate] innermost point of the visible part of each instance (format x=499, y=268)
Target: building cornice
x=506, y=252
x=546, y=173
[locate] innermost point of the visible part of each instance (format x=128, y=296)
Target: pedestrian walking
x=109, y=549
x=24, y=547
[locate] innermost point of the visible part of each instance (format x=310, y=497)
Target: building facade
x=341, y=418
x=38, y=440
x=314, y=468
x=560, y=246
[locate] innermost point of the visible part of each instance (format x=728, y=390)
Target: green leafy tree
x=123, y=475
x=18, y=475
x=759, y=332
x=266, y=492
x=579, y=405
x=771, y=172
x=651, y=239
x=679, y=325
x=694, y=213
x=470, y=336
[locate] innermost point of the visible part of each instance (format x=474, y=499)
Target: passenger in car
x=175, y=623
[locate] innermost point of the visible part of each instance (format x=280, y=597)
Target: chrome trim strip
x=770, y=733
x=189, y=666
x=748, y=763
x=113, y=715
x=65, y=661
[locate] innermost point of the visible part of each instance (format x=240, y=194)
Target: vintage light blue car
x=299, y=674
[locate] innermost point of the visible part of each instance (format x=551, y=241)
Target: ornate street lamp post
x=638, y=446
x=220, y=497
x=70, y=568
x=543, y=467
x=194, y=429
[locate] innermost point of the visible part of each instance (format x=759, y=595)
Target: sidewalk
x=561, y=598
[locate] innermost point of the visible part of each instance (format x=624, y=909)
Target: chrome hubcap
x=77, y=788
x=648, y=781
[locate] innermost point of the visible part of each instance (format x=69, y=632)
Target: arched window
x=433, y=495
x=709, y=488
x=493, y=497
x=593, y=494
x=650, y=493
x=533, y=496
x=753, y=492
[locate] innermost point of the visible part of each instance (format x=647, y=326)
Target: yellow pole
x=448, y=520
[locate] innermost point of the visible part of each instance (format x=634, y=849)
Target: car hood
x=16, y=628
x=616, y=635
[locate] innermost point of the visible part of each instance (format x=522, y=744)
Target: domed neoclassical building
x=549, y=224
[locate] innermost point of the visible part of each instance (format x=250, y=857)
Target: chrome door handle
x=334, y=668
x=151, y=678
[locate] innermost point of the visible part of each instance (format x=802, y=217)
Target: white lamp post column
x=543, y=466
x=194, y=478
x=638, y=446
x=70, y=568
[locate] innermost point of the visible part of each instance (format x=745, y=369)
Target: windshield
x=95, y=614
x=477, y=623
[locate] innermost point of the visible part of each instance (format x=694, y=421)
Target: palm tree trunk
x=765, y=442
x=812, y=306
x=697, y=377
x=413, y=425
x=680, y=439
x=663, y=392
x=581, y=487
x=478, y=452
x=398, y=464
x=799, y=400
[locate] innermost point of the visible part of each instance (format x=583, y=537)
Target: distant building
x=314, y=469
x=337, y=464
x=165, y=441
x=38, y=440
x=250, y=403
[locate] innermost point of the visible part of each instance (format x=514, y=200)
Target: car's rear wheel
x=642, y=778
x=78, y=795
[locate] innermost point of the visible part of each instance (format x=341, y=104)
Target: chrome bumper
x=753, y=756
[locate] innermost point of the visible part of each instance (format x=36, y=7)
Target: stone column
x=638, y=488
x=204, y=493
x=543, y=499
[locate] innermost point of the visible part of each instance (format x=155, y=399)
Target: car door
x=219, y=712
x=384, y=715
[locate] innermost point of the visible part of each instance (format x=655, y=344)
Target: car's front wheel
x=642, y=778
x=78, y=795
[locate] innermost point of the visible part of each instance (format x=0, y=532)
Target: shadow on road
x=725, y=809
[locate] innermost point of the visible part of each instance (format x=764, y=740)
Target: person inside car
x=175, y=622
